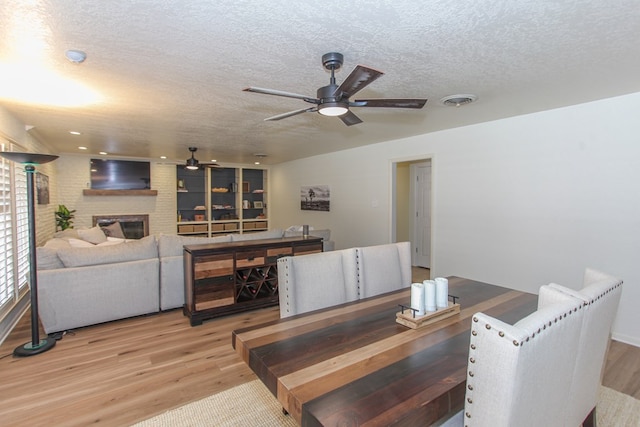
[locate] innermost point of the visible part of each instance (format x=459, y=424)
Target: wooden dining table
x=353, y=364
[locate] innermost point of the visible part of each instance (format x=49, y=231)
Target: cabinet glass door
x=254, y=199
x=224, y=200
x=192, y=201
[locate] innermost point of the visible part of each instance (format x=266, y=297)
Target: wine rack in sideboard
x=225, y=278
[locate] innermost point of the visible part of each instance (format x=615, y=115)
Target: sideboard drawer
x=308, y=249
x=212, y=266
x=253, y=258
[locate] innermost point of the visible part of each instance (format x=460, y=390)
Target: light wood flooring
x=122, y=372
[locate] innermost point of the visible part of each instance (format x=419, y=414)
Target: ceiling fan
x=194, y=164
x=333, y=100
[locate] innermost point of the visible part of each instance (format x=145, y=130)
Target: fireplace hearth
x=133, y=226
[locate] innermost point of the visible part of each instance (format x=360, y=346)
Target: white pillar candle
x=429, y=295
x=442, y=292
x=417, y=298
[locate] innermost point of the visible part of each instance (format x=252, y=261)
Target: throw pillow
x=93, y=235
x=113, y=230
x=66, y=234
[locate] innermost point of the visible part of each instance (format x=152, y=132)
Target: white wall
x=518, y=202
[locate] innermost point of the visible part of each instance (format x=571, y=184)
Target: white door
x=421, y=202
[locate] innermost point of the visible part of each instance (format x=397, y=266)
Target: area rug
x=246, y=405
x=251, y=404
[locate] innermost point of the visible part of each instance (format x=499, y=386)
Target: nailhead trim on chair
x=358, y=272
x=516, y=343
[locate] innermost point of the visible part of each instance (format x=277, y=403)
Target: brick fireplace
x=133, y=226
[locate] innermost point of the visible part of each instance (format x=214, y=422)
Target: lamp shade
x=28, y=158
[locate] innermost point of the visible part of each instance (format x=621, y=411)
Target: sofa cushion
x=171, y=244
x=57, y=243
x=93, y=235
x=47, y=258
x=271, y=234
x=129, y=251
x=113, y=230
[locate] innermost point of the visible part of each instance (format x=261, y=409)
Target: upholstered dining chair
x=600, y=295
x=315, y=281
x=521, y=374
x=384, y=268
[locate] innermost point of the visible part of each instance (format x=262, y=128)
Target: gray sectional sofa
x=115, y=279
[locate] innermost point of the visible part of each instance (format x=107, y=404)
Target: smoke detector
x=458, y=100
x=75, y=56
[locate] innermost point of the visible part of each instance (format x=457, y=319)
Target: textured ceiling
x=170, y=73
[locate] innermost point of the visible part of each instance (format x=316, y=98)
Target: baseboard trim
x=634, y=341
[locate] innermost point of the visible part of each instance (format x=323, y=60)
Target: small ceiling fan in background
x=333, y=100
x=193, y=163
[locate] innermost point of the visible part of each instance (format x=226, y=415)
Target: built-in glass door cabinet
x=215, y=201
x=192, y=202
x=225, y=217
x=254, y=200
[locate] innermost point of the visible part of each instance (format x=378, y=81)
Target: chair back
x=384, y=268
x=315, y=281
x=520, y=375
x=601, y=296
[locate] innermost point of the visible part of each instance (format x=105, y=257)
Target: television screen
x=120, y=175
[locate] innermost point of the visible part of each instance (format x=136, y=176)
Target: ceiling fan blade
x=350, y=119
x=359, y=78
x=392, y=103
x=281, y=93
x=291, y=113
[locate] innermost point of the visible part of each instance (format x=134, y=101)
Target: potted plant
x=64, y=217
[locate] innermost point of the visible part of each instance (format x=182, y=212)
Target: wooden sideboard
x=225, y=278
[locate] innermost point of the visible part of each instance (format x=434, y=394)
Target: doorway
x=411, y=212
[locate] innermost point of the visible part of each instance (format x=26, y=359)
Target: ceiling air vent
x=458, y=100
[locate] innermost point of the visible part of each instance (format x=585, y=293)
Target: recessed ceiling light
x=213, y=160
x=82, y=148
x=163, y=157
x=104, y=153
x=74, y=132
x=458, y=100
x=256, y=163
x=75, y=56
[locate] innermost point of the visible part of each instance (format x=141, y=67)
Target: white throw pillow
x=93, y=235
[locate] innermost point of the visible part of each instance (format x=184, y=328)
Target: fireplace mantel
x=90, y=192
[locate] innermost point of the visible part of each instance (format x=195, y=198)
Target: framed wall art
x=315, y=198
x=42, y=188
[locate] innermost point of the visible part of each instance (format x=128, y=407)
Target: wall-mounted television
x=107, y=174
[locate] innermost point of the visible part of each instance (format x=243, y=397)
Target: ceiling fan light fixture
x=332, y=109
x=192, y=163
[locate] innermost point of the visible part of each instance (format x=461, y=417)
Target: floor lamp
x=37, y=345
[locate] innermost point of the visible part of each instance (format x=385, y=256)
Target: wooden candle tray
x=407, y=318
